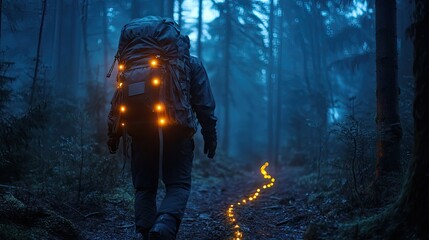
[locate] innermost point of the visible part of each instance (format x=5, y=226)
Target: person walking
x=162, y=144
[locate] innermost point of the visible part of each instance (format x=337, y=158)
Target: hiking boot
x=165, y=228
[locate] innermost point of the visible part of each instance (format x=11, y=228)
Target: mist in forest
x=321, y=90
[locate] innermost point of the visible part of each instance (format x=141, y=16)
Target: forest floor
x=294, y=208
x=291, y=209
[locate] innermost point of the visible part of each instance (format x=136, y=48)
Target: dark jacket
x=202, y=100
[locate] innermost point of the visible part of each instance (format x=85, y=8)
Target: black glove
x=210, y=147
x=113, y=144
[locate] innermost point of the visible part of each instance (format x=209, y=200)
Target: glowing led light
x=153, y=62
x=123, y=108
x=121, y=67
x=123, y=124
x=159, y=107
x=162, y=121
x=120, y=85
x=156, y=81
x=270, y=183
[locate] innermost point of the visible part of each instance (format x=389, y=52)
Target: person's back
x=163, y=150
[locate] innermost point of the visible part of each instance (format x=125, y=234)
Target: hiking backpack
x=153, y=80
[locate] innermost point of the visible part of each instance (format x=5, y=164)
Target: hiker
x=162, y=92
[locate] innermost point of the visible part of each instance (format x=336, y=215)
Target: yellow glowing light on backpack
x=162, y=121
x=156, y=81
x=159, y=107
x=154, y=62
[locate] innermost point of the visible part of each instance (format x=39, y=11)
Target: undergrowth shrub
x=355, y=164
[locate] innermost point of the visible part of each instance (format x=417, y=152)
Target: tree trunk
x=84, y=20
x=389, y=131
x=304, y=52
x=270, y=83
x=106, y=44
x=39, y=43
x=414, y=199
x=227, y=53
x=328, y=94
x=200, y=28
x=279, y=89
x=180, y=13
x=67, y=48
x=405, y=55
x=408, y=217
x=1, y=17
x=101, y=127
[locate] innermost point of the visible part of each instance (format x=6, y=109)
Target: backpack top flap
x=144, y=38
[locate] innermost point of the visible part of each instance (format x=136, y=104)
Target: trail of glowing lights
x=238, y=234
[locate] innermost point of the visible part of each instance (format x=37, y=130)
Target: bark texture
x=227, y=53
x=39, y=44
x=270, y=84
x=389, y=131
x=200, y=28
x=414, y=200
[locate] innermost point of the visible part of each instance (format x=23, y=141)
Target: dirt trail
x=284, y=211
x=206, y=217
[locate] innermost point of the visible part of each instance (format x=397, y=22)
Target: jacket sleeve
x=202, y=100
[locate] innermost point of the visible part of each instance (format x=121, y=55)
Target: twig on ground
x=126, y=225
x=91, y=214
x=293, y=219
x=74, y=209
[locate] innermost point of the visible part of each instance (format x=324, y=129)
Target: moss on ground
x=17, y=232
x=21, y=221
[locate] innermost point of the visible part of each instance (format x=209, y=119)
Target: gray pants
x=176, y=175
